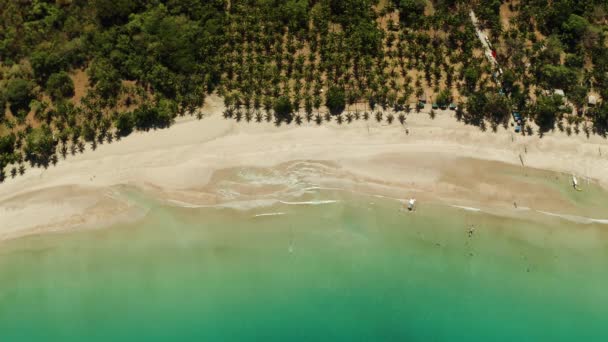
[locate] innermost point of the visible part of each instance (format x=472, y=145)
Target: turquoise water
x=356, y=270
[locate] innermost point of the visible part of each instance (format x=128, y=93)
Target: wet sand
x=195, y=163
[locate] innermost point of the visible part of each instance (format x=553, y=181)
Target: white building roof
x=592, y=100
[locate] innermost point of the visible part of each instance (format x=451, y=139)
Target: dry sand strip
x=186, y=156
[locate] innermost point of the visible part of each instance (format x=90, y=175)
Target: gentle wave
x=574, y=218
x=465, y=208
x=269, y=214
x=316, y=187
x=241, y=205
x=185, y=204
x=246, y=205
x=400, y=200
x=310, y=202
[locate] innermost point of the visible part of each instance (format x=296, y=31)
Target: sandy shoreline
x=196, y=162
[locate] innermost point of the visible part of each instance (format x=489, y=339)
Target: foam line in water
x=316, y=187
x=241, y=205
x=400, y=200
x=310, y=202
x=465, y=208
x=574, y=218
x=185, y=204
x=269, y=214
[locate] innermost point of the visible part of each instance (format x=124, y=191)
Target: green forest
x=78, y=73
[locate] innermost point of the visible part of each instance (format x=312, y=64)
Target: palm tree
x=257, y=102
x=268, y=116
x=317, y=102
x=390, y=118
x=101, y=138
x=339, y=119
x=318, y=119
x=40, y=111
x=21, y=169
x=308, y=107
x=10, y=123
x=20, y=138
x=247, y=101
x=64, y=151
x=228, y=100
x=349, y=117
x=296, y=102
x=298, y=119
x=228, y=113
x=401, y=118
x=379, y=116
x=267, y=103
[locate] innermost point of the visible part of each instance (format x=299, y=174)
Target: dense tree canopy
x=125, y=123
x=546, y=111
x=19, y=95
x=7, y=144
x=558, y=77
x=112, y=12
x=93, y=71
x=444, y=98
x=336, y=100
x=60, y=85
x=283, y=108
x=40, y=145
x=411, y=11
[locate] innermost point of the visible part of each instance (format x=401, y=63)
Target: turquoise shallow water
x=355, y=270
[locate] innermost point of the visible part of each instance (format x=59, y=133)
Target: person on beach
x=411, y=204
x=471, y=231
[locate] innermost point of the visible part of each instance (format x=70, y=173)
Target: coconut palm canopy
x=93, y=71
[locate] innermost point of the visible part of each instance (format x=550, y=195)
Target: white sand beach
x=440, y=159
